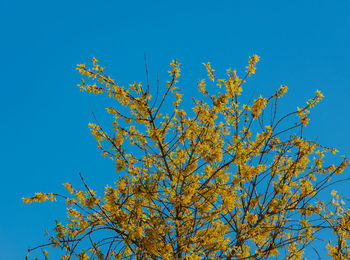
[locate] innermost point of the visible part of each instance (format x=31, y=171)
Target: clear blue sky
x=44, y=116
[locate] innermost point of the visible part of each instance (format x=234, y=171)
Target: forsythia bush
x=224, y=181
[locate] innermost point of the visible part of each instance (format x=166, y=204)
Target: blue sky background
x=44, y=116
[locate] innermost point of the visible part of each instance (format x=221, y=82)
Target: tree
x=224, y=181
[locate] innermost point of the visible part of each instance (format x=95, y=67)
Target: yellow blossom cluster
x=40, y=197
x=252, y=63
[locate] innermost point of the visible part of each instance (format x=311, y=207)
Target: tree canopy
x=225, y=180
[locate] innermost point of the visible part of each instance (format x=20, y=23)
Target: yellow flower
x=69, y=187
